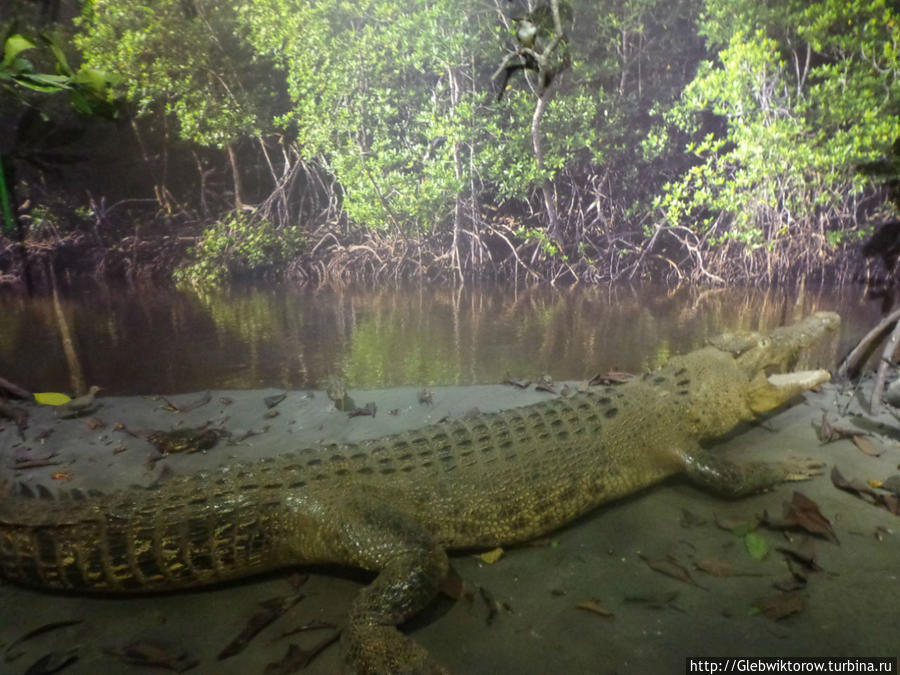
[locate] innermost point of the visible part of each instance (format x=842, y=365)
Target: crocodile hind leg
x=411, y=567
x=737, y=479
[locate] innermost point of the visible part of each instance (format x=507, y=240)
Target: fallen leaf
x=521, y=384
x=53, y=662
x=891, y=503
x=10, y=654
x=756, y=545
x=868, y=446
x=781, y=605
x=715, y=568
x=297, y=658
x=671, y=568
x=154, y=654
x=891, y=484
x=369, y=410
x=802, y=512
x=722, y=568
x=825, y=431
x=855, y=486
x=272, y=401
x=269, y=611
x=654, y=600
x=305, y=628
x=490, y=557
x=612, y=376
x=185, y=407
x=593, y=607
x=804, y=554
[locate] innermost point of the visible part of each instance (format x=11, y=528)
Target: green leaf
x=15, y=44
x=756, y=545
x=43, y=82
x=94, y=79
x=61, y=61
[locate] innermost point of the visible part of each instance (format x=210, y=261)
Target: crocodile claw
x=802, y=468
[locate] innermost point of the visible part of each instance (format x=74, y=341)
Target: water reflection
x=165, y=341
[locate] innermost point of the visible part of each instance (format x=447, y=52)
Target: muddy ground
x=521, y=615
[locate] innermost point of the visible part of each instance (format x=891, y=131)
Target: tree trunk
x=546, y=187
x=455, y=257
x=236, y=176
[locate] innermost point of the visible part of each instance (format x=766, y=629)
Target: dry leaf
x=855, y=486
x=781, y=605
x=891, y=484
x=891, y=502
x=868, y=446
x=270, y=610
x=804, y=554
x=520, y=384
x=804, y=513
x=720, y=568
x=272, y=401
x=671, y=568
x=594, y=607
x=53, y=662
x=153, y=654
x=11, y=653
x=297, y=658
x=490, y=557
x=612, y=376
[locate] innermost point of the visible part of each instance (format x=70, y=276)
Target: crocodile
x=396, y=505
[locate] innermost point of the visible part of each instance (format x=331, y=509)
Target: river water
x=159, y=340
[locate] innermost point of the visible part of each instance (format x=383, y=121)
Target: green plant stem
x=4, y=202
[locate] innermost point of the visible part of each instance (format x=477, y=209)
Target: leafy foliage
x=735, y=126
x=186, y=57
x=239, y=246
x=804, y=101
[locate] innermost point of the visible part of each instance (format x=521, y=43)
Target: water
x=158, y=340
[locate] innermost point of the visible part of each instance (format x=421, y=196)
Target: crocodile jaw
x=767, y=393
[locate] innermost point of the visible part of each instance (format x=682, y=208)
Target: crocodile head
x=771, y=365
x=729, y=386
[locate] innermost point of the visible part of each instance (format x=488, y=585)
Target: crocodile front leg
x=737, y=479
x=411, y=566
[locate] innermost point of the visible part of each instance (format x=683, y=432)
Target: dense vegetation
x=704, y=139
